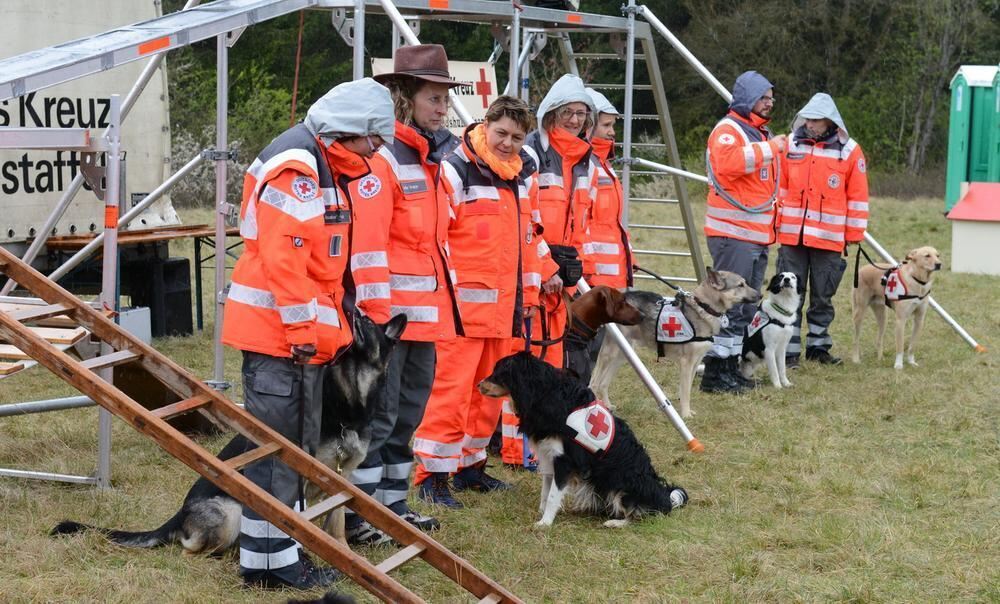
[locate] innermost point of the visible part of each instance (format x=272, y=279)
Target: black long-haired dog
x=581, y=447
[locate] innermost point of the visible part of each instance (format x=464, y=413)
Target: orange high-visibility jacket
x=300, y=229
x=486, y=239
x=823, y=194
x=417, y=215
x=609, y=246
x=567, y=187
x=743, y=162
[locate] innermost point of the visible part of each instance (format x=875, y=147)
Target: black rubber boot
x=733, y=369
x=717, y=380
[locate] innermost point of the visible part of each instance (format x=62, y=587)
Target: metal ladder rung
x=110, y=360
x=622, y=86
x=253, y=455
x=181, y=407
x=647, y=145
x=652, y=200
x=401, y=557
x=659, y=253
x=42, y=312
x=656, y=227
x=605, y=55
x=327, y=505
x=668, y=278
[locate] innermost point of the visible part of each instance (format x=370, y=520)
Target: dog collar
x=918, y=280
x=707, y=308
x=780, y=309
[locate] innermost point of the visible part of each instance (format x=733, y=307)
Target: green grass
x=860, y=484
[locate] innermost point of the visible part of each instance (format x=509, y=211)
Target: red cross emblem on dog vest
x=594, y=426
x=759, y=321
x=895, y=288
x=672, y=326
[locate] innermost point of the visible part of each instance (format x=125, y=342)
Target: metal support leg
x=647, y=378
x=358, y=35
x=627, y=124
x=221, y=207
x=514, y=52
x=199, y=311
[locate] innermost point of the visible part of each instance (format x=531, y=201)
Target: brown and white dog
x=909, y=286
x=720, y=291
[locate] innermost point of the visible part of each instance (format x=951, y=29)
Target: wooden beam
x=182, y=407
x=330, y=503
x=110, y=360
x=401, y=557
x=253, y=456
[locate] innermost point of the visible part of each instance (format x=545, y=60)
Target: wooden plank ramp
x=192, y=392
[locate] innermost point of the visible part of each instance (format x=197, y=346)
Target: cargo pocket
x=273, y=397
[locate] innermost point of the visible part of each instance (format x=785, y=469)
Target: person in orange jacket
x=416, y=216
x=609, y=246
x=491, y=182
x=742, y=163
x=567, y=187
x=824, y=208
x=302, y=221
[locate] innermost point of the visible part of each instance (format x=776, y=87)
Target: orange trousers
x=458, y=421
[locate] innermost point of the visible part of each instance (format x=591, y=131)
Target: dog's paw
x=786, y=384
x=912, y=362
x=542, y=525
x=898, y=365
x=616, y=523
x=856, y=358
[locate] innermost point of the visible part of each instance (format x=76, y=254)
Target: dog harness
x=594, y=426
x=753, y=336
x=895, y=287
x=673, y=327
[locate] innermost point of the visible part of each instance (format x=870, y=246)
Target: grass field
x=860, y=484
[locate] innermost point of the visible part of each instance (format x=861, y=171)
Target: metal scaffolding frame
x=225, y=20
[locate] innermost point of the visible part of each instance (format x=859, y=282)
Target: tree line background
x=887, y=63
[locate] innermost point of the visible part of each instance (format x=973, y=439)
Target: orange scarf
x=505, y=169
x=602, y=147
x=345, y=162
x=572, y=148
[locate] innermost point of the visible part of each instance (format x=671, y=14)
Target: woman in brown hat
x=420, y=284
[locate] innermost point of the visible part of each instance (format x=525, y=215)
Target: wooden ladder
x=197, y=396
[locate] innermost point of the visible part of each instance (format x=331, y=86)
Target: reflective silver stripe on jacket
x=426, y=446
x=531, y=279
x=422, y=314
x=369, y=260
x=372, y=291
x=298, y=313
x=597, y=247
x=823, y=233
x=248, y=224
x=737, y=215
x=607, y=269
x=731, y=229
x=327, y=316
x=857, y=206
x=833, y=219
x=412, y=283
x=294, y=207
x=857, y=223
x=478, y=296
x=550, y=179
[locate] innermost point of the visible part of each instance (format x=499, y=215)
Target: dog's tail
x=168, y=533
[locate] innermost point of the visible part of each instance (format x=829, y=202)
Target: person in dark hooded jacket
x=742, y=164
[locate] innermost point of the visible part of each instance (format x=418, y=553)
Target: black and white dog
x=209, y=519
x=766, y=337
x=581, y=447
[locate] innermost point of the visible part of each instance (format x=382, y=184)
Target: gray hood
x=747, y=90
x=819, y=107
x=567, y=89
x=359, y=108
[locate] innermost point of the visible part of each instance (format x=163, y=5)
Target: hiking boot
x=435, y=490
x=822, y=357
x=310, y=577
x=792, y=362
x=418, y=520
x=366, y=534
x=717, y=380
x=476, y=479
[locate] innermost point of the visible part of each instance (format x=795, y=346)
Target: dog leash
x=659, y=278
x=857, y=263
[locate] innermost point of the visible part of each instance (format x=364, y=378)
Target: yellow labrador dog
x=903, y=289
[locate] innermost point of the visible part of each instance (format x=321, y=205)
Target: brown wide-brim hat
x=427, y=62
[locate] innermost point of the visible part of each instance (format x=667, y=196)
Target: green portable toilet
x=994, y=171
x=971, y=128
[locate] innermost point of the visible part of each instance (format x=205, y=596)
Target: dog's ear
x=774, y=285
x=358, y=326
x=714, y=279
x=910, y=256
x=609, y=297
x=395, y=327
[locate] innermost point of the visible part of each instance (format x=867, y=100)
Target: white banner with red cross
x=895, y=288
x=478, y=88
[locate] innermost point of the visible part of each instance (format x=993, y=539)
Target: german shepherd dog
x=582, y=448
x=766, y=338
x=209, y=519
x=720, y=291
